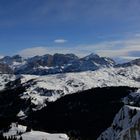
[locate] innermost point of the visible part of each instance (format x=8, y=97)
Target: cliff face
x=5, y=69
x=126, y=125
x=133, y=133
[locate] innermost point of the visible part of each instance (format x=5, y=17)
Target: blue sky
x=107, y=27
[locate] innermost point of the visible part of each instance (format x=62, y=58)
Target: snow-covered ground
x=5, y=78
x=52, y=87
x=20, y=131
x=37, y=135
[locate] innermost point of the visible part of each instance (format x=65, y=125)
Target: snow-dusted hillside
x=52, y=87
x=20, y=131
x=5, y=78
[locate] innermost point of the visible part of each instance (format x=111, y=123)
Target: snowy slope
x=5, y=78
x=20, y=131
x=37, y=135
x=126, y=125
x=52, y=87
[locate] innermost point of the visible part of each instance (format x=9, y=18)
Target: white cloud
x=60, y=41
x=126, y=47
x=1, y=56
x=29, y=52
x=118, y=48
x=34, y=51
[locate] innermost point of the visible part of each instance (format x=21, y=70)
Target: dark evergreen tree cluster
x=79, y=115
x=84, y=115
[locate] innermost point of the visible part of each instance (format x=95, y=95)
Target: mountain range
x=57, y=63
x=52, y=64
x=63, y=93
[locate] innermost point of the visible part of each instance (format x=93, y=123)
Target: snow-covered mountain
x=5, y=69
x=51, y=87
x=75, y=114
x=131, y=63
x=126, y=124
x=57, y=63
x=35, y=92
x=13, y=62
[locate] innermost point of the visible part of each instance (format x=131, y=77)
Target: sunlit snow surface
x=20, y=130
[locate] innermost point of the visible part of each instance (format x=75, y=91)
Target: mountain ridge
x=57, y=63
